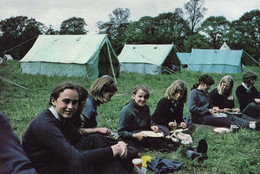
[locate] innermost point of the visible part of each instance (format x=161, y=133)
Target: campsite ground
x=228, y=153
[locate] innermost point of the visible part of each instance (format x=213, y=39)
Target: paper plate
x=152, y=134
x=234, y=113
x=221, y=129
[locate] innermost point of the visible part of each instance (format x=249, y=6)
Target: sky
x=54, y=12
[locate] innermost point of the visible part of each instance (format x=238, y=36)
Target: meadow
x=23, y=96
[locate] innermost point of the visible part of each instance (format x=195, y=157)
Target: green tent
x=148, y=58
x=71, y=55
x=215, y=61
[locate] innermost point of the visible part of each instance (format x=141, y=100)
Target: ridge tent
x=184, y=58
x=215, y=61
x=224, y=46
x=148, y=58
x=71, y=55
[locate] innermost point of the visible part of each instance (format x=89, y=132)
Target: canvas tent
x=224, y=46
x=215, y=61
x=147, y=58
x=8, y=57
x=71, y=55
x=184, y=58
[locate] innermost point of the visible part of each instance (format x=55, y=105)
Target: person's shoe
x=200, y=152
x=257, y=125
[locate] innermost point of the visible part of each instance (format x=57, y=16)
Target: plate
x=234, y=113
x=152, y=134
x=220, y=115
x=221, y=129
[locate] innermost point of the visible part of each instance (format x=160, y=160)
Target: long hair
x=60, y=88
x=205, y=78
x=177, y=86
x=83, y=95
x=101, y=85
x=230, y=82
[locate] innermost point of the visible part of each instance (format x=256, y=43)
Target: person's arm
x=54, y=139
x=161, y=113
x=12, y=157
x=212, y=97
x=241, y=97
x=179, y=113
x=124, y=126
x=193, y=104
x=89, y=114
x=102, y=130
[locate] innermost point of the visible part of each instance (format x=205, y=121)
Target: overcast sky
x=54, y=12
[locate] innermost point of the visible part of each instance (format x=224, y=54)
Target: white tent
x=148, y=58
x=224, y=46
x=8, y=57
x=71, y=55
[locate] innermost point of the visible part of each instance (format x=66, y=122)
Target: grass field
x=236, y=153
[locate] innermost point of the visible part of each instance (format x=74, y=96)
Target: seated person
x=203, y=113
x=168, y=114
x=12, y=157
x=48, y=143
x=101, y=91
x=248, y=96
x=222, y=98
x=135, y=117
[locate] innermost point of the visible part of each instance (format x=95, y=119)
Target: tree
x=195, y=11
x=166, y=28
x=115, y=27
x=73, y=25
x=215, y=29
x=51, y=31
x=18, y=35
x=245, y=34
x=142, y=31
x=195, y=41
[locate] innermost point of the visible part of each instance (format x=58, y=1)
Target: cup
x=145, y=159
x=234, y=128
x=137, y=162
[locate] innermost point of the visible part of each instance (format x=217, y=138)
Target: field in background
x=228, y=153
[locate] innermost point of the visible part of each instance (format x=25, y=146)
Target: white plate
x=221, y=129
x=152, y=134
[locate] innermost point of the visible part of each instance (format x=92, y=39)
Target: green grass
x=228, y=153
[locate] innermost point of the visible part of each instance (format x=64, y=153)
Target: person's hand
x=183, y=125
x=225, y=110
x=104, y=130
x=172, y=124
x=215, y=109
x=155, y=129
x=236, y=110
x=139, y=136
x=120, y=149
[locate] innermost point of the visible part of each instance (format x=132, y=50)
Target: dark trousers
x=220, y=121
x=252, y=110
x=92, y=141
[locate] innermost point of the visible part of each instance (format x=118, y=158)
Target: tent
x=184, y=58
x=215, y=61
x=71, y=55
x=148, y=58
x=8, y=57
x=224, y=46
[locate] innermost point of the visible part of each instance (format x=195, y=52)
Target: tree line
x=183, y=27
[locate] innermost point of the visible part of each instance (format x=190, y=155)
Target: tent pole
x=111, y=63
